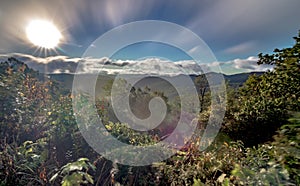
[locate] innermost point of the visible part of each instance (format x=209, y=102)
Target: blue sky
x=233, y=29
x=151, y=49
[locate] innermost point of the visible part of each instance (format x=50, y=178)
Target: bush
x=265, y=101
x=195, y=167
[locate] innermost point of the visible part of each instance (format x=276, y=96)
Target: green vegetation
x=41, y=144
x=75, y=173
x=266, y=101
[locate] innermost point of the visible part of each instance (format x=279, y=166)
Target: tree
x=202, y=84
x=284, y=82
x=266, y=101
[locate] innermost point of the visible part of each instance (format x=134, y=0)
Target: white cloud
x=240, y=66
x=250, y=64
x=153, y=66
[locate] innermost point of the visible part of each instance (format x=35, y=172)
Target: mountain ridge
x=152, y=82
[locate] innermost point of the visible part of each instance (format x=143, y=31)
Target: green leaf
x=53, y=177
x=71, y=167
x=197, y=182
x=83, y=159
x=89, y=178
x=226, y=182
x=74, y=179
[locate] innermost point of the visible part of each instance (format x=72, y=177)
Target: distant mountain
x=154, y=83
x=237, y=80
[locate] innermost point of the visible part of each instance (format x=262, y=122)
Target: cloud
x=241, y=48
x=241, y=17
x=151, y=66
x=64, y=64
x=53, y=64
x=240, y=66
x=250, y=64
x=226, y=24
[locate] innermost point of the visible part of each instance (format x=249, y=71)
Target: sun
x=43, y=34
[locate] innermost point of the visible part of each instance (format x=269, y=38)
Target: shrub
x=75, y=173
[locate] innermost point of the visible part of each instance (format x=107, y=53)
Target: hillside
x=154, y=83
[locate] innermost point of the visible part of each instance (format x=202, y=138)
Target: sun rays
x=44, y=35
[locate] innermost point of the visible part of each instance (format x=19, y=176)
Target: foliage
x=26, y=101
x=202, y=168
x=258, y=168
x=123, y=173
x=36, y=114
x=287, y=149
x=75, y=173
x=24, y=123
x=275, y=163
x=126, y=135
x=24, y=164
x=64, y=137
x=265, y=101
x=203, y=87
x=273, y=175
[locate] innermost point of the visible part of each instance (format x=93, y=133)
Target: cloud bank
x=152, y=66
